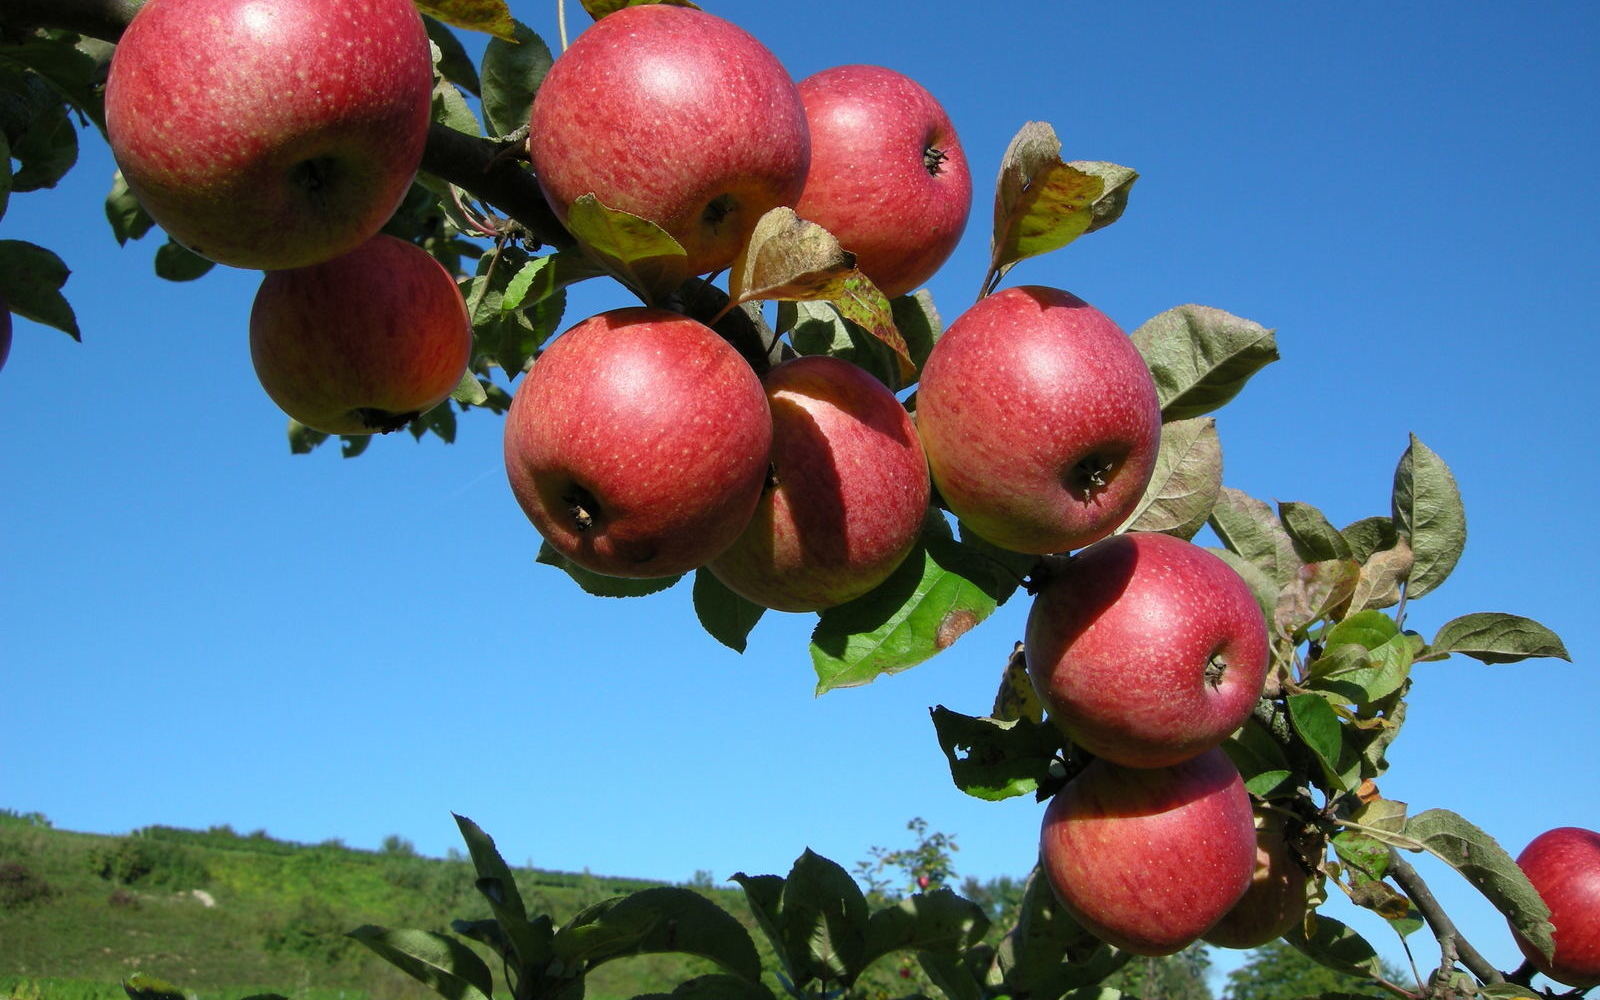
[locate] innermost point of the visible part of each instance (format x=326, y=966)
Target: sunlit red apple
x=637, y=444
x=677, y=116
x=270, y=134
x=362, y=343
x=888, y=177
x=1040, y=420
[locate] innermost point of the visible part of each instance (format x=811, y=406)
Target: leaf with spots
x=790, y=259
x=1041, y=203
x=1496, y=637
x=1201, y=357
x=492, y=17
x=940, y=592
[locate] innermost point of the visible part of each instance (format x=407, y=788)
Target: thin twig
x=1444, y=930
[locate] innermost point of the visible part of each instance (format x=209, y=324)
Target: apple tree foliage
x=1335, y=597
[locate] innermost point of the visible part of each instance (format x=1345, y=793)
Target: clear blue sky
x=199, y=628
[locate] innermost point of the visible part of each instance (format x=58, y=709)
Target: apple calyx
x=1091, y=476
x=933, y=160
x=383, y=421
x=581, y=506
x=1216, y=667
x=718, y=209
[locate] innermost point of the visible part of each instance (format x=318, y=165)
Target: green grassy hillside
x=225, y=915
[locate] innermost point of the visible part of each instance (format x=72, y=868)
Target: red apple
x=1146, y=649
x=849, y=491
x=1040, y=420
x=270, y=135
x=675, y=115
x=638, y=443
x=1149, y=859
x=1564, y=866
x=888, y=177
x=363, y=342
x=1276, y=899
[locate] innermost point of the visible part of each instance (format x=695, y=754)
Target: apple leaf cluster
x=1065, y=478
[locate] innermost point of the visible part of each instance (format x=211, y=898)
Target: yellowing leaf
x=640, y=253
x=600, y=8
x=1041, y=203
x=492, y=17
x=790, y=259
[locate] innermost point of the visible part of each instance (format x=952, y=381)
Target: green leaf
x=1496, y=637
x=512, y=73
x=764, y=895
x=996, y=759
x=454, y=63
x=1187, y=478
x=129, y=220
x=450, y=108
x=820, y=328
x=1336, y=946
x=38, y=127
x=824, y=920
x=599, y=584
x=1428, y=511
x=142, y=987
x=1248, y=527
x=1318, y=726
x=441, y=963
x=1201, y=357
x=651, y=921
x=715, y=986
x=1048, y=952
x=637, y=251
x=176, y=262
x=727, y=616
x=31, y=278
x=1313, y=537
x=469, y=391
x=939, y=921
x=940, y=592
x=1116, y=184
x=1261, y=761
x=302, y=439
x=440, y=419
x=1040, y=204
x=1368, y=536
x=1485, y=864
x=72, y=66
x=489, y=16
x=918, y=322
x=1365, y=659
x=498, y=885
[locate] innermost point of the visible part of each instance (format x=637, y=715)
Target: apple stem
x=561, y=22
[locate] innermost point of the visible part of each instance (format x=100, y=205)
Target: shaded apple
x=270, y=135
x=888, y=177
x=674, y=115
x=1146, y=649
x=1276, y=899
x=362, y=343
x=1148, y=859
x=637, y=444
x=1040, y=420
x=847, y=495
x=1564, y=866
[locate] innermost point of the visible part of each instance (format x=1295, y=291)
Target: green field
x=80, y=912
